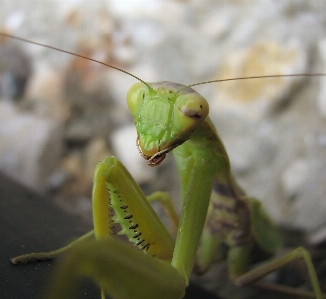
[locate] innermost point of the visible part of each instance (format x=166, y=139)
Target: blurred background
x=60, y=114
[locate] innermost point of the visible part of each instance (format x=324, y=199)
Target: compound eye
x=135, y=98
x=191, y=110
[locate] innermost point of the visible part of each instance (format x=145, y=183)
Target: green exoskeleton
x=215, y=210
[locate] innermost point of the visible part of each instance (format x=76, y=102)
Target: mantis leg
x=197, y=168
x=115, y=190
x=43, y=256
x=239, y=256
x=298, y=253
x=122, y=271
x=166, y=201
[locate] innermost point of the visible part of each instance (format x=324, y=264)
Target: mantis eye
x=135, y=98
x=191, y=110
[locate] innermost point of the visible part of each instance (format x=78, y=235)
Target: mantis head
x=166, y=114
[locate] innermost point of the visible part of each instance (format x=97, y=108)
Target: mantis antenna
x=259, y=77
x=74, y=54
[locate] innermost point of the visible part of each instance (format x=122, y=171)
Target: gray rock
x=30, y=147
x=322, y=89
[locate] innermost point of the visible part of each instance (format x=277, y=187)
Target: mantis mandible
x=215, y=210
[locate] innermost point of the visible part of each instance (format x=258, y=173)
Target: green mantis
x=215, y=210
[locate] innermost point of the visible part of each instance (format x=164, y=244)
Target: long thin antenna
x=72, y=53
x=259, y=77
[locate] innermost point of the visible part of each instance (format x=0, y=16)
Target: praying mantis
x=215, y=210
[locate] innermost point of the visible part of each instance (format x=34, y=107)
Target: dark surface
x=29, y=223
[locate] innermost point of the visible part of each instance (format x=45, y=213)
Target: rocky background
x=60, y=114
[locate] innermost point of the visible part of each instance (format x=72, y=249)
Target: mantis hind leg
x=261, y=271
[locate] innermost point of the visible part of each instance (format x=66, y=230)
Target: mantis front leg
x=121, y=270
